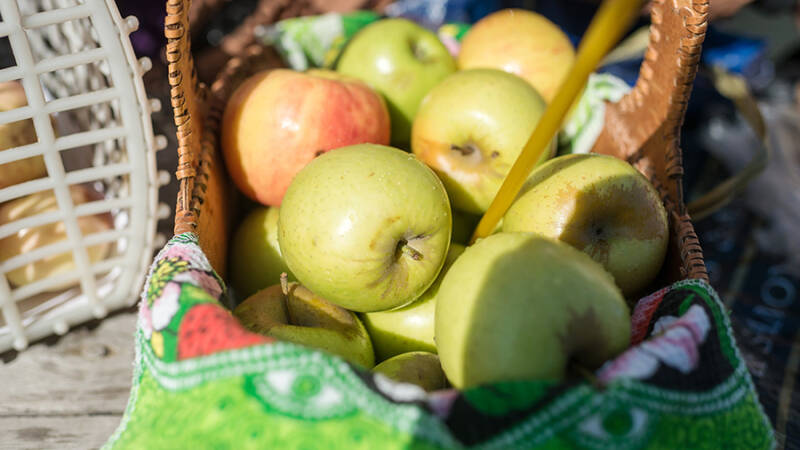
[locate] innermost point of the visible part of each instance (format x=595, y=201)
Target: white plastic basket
x=92, y=119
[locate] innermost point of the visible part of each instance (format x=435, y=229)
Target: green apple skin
x=366, y=226
x=470, y=129
x=409, y=328
x=301, y=317
x=600, y=205
x=518, y=306
x=255, y=255
x=402, y=61
x=420, y=368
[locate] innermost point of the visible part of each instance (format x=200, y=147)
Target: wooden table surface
x=68, y=393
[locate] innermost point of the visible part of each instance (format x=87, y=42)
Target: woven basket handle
x=187, y=105
x=643, y=127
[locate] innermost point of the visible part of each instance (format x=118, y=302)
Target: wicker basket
x=87, y=105
x=642, y=128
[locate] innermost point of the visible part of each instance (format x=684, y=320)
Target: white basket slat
x=76, y=64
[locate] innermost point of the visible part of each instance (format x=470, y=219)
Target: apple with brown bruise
x=28, y=239
x=518, y=306
x=17, y=134
x=420, y=368
x=292, y=313
x=602, y=206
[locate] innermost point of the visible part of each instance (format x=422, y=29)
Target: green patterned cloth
x=315, y=41
x=588, y=118
x=202, y=381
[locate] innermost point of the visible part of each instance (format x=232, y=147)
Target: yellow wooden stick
x=606, y=29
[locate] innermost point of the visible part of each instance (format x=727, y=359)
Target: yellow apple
x=420, y=368
x=517, y=306
x=17, y=134
x=471, y=127
x=409, y=328
x=600, y=205
x=29, y=239
x=293, y=313
x=523, y=43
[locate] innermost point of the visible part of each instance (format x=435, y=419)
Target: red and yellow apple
x=470, y=129
x=523, y=43
x=29, y=239
x=277, y=121
x=17, y=134
x=600, y=205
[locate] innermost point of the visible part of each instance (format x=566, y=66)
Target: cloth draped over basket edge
x=200, y=378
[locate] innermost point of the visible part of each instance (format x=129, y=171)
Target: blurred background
x=751, y=246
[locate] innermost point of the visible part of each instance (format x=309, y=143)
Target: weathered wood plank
x=64, y=432
x=87, y=371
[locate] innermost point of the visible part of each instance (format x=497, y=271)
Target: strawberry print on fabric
x=209, y=328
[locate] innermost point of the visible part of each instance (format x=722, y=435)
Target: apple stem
x=465, y=150
x=285, y=290
x=285, y=283
x=412, y=252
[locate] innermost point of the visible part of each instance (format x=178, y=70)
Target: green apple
x=600, y=205
x=409, y=328
x=520, y=306
x=420, y=368
x=295, y=314
x=365, y=226
x=255, y=255
x=470, y=129
x=402, y=61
